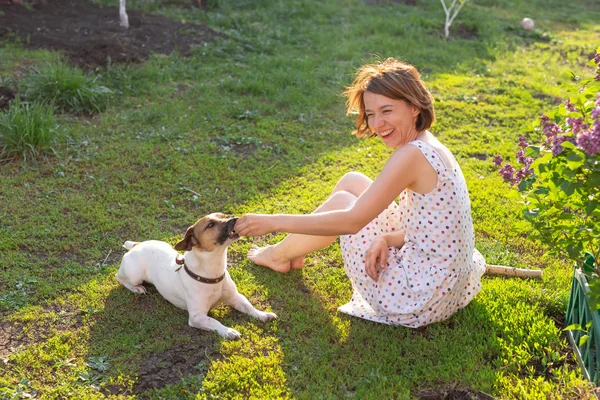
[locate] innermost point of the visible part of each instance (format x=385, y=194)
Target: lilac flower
x=589, y=140
x=556, y=145
x=596, y=111
x=597, y=58
x=523, y=141
x=507, y=172
x=577, y=125
x=570, y=106
x=498, y=160
x=522, y=174
x=550, y=129
x=526, y=161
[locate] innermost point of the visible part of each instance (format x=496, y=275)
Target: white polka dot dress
x=437, y=271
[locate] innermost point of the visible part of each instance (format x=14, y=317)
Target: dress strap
x=434, y=159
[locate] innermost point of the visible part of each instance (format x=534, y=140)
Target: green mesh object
x=579, y=312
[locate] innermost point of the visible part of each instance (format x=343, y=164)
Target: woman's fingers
x=242, y=226
x=383, y=258
x=377, y=254
x=373, y=257
x=252, y=225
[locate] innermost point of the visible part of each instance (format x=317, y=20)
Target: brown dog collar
x=181, y=261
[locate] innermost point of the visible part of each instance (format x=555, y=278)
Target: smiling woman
x=402, y=82
x=411, y=263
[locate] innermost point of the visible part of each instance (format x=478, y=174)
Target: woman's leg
x=290, y=252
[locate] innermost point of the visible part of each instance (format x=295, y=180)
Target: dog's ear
x=188, y=241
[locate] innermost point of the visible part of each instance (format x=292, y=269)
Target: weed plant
x=68, y=88
x=27, y=130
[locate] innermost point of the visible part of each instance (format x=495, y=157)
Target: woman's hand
x=254, y=225
x=377, y=254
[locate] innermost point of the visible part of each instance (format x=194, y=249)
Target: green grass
x=27, y=131
x=68, y=89
x=255, y=123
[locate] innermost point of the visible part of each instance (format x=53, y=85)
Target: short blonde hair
x=396, y=80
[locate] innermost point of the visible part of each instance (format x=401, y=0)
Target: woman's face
x=392, y=120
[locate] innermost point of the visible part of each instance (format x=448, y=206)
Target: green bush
x=69, y=89
x=27, y=130
x=559, y=178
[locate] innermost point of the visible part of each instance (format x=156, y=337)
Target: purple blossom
x=589, y=140
x=550, y=129
x=570, y=106
x=507, y=172
x=556, y=145
x=596, y=111
x=526, y=161
x=597, y=58
x=522, y=174
x=577, y=125
x=523, y=141
x=497, y=160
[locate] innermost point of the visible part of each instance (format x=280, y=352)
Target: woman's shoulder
x=433, y=147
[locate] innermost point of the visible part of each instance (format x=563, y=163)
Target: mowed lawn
x=254, y=122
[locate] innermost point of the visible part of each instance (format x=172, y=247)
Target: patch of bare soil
x=90, y=34
x=13, y=336
x=169, y=366
x=6, y=95
x=464, y=32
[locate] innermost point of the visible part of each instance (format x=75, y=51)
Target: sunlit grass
x=255, y=123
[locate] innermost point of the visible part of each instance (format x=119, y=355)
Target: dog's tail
x=130, y=244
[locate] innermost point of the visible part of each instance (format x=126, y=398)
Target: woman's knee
x=354, y=183
x=341, y=199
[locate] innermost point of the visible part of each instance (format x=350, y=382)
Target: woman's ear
x=415, y=111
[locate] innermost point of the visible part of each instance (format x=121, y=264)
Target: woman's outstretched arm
x=402, y=170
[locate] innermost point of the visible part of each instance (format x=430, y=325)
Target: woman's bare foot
x=266, y=257
x=297, y=263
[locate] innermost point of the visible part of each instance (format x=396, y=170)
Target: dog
x=197, y=281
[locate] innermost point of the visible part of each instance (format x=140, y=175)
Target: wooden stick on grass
x=511, y=271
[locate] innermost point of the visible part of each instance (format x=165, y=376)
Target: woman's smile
x=391, y=119
x=386, y=133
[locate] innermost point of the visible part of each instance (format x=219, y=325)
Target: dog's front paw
x=267, y=316
x=230, y=334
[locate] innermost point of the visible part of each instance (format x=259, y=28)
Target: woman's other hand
x=254, y=225
x=376, y=255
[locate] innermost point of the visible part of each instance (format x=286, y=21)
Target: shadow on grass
x=330, y=354
x=149, y=340
x=322, y=352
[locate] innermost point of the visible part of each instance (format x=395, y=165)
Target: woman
x=411, y=263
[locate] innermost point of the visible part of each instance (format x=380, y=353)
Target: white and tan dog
x=196, y=282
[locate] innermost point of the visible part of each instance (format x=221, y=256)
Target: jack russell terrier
x=197, y=281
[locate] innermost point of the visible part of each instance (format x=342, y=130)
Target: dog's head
x=208, y=233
